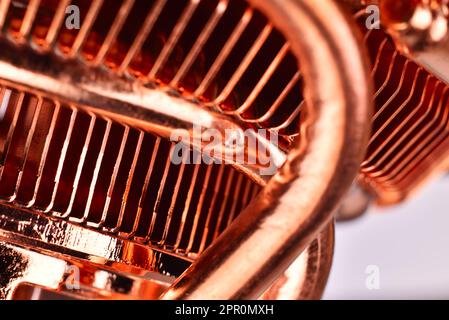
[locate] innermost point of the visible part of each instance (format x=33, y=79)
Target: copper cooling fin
x=87, y=114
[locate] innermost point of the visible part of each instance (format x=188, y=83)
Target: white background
x=408, y=243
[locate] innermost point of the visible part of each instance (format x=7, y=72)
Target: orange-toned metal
x=64, y=254
x=86, y=115
x=81, y=110
x=410, y=125
x=300, y=199
x=307, y=276
x=421, y=31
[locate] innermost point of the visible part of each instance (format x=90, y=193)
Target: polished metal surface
x=307, y=276
x=157, y=110
x=105, y=96
x=60, y=237
x=23, y=267
x=275, y=228
x=91, y=116
x=421, y=31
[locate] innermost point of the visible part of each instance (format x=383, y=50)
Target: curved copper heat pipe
x=30, y=72
x=300, y=199
x=319, y=252
x=307, y=276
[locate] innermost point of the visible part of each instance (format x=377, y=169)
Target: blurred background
x=395, y=253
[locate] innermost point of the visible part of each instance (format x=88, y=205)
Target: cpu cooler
x=202, y=149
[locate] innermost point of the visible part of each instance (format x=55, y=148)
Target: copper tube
x=130, y=102
x=299, y=200
x=307, y=276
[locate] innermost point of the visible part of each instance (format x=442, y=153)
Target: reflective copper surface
x=300, y=199
x=88, y=113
